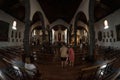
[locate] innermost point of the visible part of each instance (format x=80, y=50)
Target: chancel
x=59, y=39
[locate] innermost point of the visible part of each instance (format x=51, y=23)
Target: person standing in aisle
x=64, y=55
x=71, y=56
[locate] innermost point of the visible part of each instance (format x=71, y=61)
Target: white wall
x=83, y=7
x=113, y=20
x=34, y=7
x=20, y=28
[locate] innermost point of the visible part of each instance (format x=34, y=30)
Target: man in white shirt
x=30, y=68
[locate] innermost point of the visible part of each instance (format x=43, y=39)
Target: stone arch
x=58, y=25
x=59, y=22
x=82, y=17
x=38, y=22
x=60, y=33
x=62, y=25
x=37, y=17
x=80, y=21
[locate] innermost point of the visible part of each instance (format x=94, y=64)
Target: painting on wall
x=118, y=32
x=4, y=28
x=12, y=34
x=99, y=35
x=104, y=35
x=110, y=40
x=12, y=40
x=111, y=33
x=16, y=35
x=108, y=34
x=59, y=36
x=106, y=40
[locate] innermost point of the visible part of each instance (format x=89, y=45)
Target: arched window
x=14, y=25
x=106, y=24
x=34, y=33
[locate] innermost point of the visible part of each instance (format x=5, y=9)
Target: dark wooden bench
x=89, y=73
x=98, y=71
x=19, y=73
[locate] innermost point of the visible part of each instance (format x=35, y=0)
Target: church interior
x=33, y=33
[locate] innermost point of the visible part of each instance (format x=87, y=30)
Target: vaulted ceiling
x=64, y=9
x=105, y=7
x=13, y=7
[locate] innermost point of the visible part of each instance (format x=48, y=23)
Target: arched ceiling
x=55, y=9
x=38, y=17
x=14, y=7
x=105, y=7
x=81, y=17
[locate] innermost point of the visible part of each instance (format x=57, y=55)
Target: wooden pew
x=114, y=76
x=89, y=73
x=11, y=52
x=98, y=71
x=107, y=69
x=19, y=73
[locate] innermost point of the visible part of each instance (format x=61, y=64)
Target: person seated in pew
x=30, y=67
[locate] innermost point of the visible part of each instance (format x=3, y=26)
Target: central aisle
x=54, y=71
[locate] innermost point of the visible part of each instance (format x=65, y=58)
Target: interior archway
x=37, y=17
x=59, y=33
x=37, y=32
x=80, y=29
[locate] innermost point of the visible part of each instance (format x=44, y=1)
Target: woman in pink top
x=71, y=56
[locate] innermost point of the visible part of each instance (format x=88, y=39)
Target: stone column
x=70, y=31
x=91, y=29
x=68, y=36
x=26, y=40
x=43, y=30
x=51, y=36
x=75, y=36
